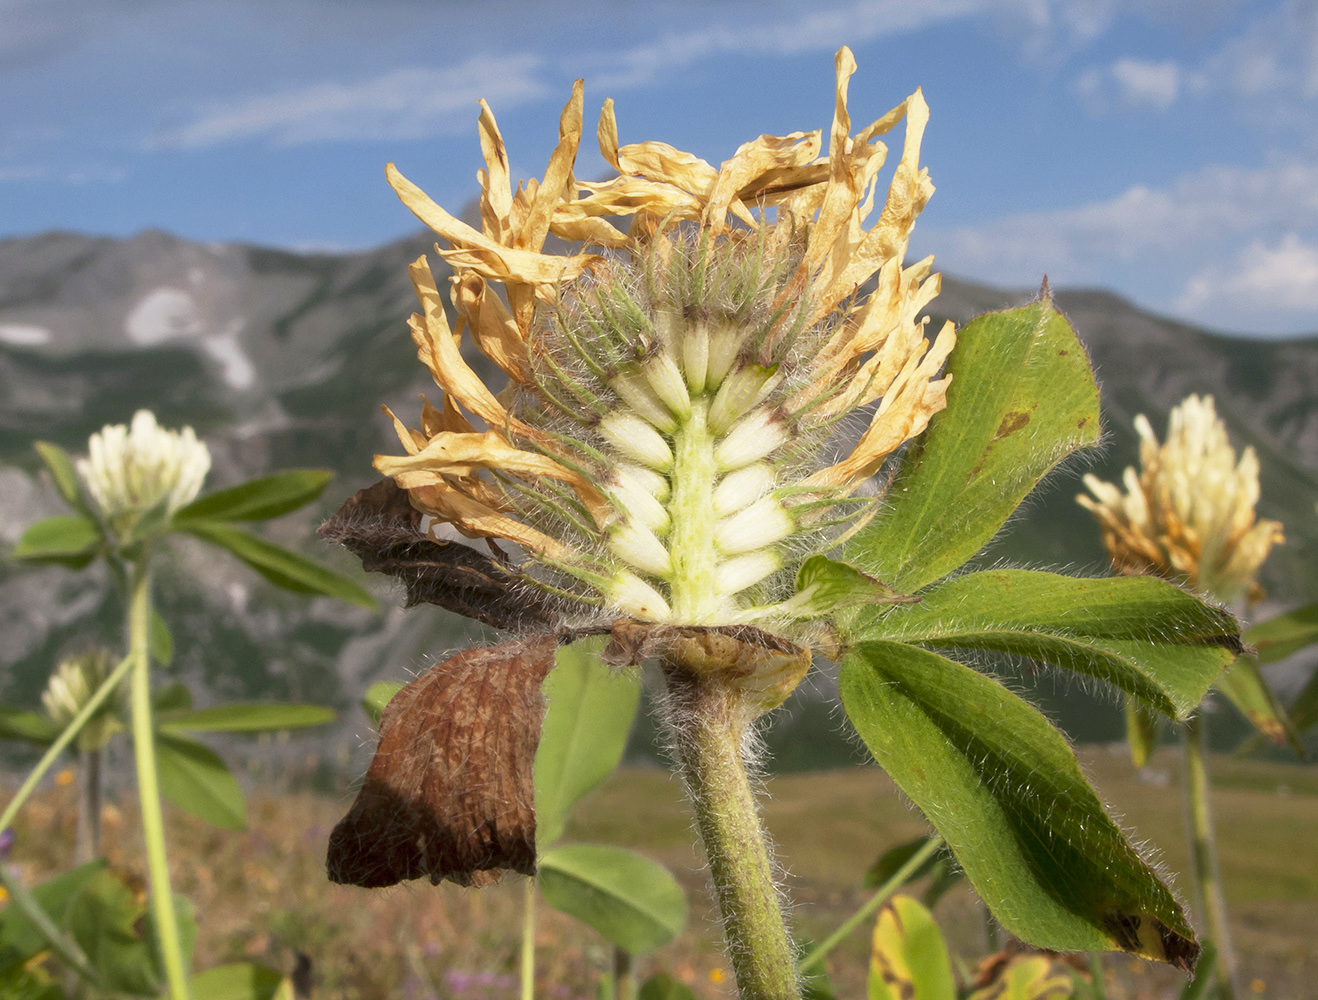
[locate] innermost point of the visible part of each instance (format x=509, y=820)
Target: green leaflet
x=253, y=717
x=377, y=698
x=63, y=474
x=908, y=957
x=1246, y=689
x=69, y=541
x=1141, y=731
x=240, y=981
x=589, y=716
x=1278, y=637
x=633, y=901
x=1146, y=637
x=259, y=499
x=278, y=565
x=1030, y=400
x=194, y=778
x=1003, y=788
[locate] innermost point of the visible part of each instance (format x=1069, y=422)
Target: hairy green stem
x=866, y=911
x=148, y=782
x=528, y=940
x=1203, y=835
x=709, y=721
x=624, y=975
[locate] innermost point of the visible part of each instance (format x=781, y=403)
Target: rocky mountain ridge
x=281, y=359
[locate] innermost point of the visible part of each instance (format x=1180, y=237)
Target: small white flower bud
x=666, y=380
x=762, y=524
x=635, y=391
x=725, y=343
x=737, y=574
x=638, y=440
x=740, y=392
x=639, y=495
x=640, y=547
x=754, y=438
x=633, y=596
x=742, y=488
x=695, y=356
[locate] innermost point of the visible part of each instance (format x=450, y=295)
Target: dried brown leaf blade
x=381, y=528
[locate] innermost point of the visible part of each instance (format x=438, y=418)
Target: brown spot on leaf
x=381, y=528
x=449, y=793
x=1011, y=423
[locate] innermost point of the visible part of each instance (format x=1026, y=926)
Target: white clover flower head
x=662, y=448
x=72, y=685
x=1188, y=514
x=131, y=471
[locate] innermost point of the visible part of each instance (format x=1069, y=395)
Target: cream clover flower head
x=131, y=471
x=664, y=446
x=1189, y=513
x=72, y=685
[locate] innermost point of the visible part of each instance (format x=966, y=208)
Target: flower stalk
x=148, y=781
x=709, y=722
x=1209, y=900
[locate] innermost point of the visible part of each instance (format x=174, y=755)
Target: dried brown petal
x=449, y=793
x=380, y=527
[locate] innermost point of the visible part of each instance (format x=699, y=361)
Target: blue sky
x=1166, y=149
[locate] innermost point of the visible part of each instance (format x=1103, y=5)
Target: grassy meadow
x=262, y=894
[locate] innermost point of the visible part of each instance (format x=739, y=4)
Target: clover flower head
x=1188, y=514
x=665, y=445
x=131, y=471
x=72, y=685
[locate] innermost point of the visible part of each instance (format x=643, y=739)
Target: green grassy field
x=262, y=894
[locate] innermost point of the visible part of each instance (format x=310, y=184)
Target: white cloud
x=1176, y=247
x=402, y=104
x=1282, y=277
x=1130, y=84
x=854, y=23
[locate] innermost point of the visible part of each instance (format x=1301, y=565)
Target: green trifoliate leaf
x=1143, y=635
x=259, y=499
x=633, y=901
x=1003, y=788
x=589, y=713
x=68, y=541
x=194, y=778
x=249, y=718
x=278, y=565
x=1023, y=399
x=63, y=474
x=1279, y=637
x=1246, y=689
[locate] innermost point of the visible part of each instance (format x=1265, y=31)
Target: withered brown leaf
x=381, y=528
x=449, y=793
